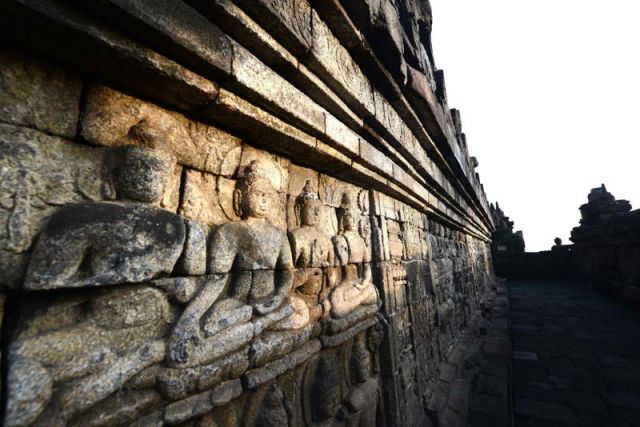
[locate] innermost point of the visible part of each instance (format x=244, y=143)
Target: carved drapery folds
x=137, y=313
x=176, y=317
x=267, y=218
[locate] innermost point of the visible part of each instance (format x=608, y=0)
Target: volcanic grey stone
x=37, y=94
x=194, y=256
x=123, y=244
x=38, y=174
x=77, y=398
x=202, y=403
x=56, y=27
x=172, y=28
x=256, y=377
x=28, y=394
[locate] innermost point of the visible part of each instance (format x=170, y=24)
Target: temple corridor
x=576, y=356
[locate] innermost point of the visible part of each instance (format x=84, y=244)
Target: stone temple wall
x=220, y=213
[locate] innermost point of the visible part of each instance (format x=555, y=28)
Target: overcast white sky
x=548, y=91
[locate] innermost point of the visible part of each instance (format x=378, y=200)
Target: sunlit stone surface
x=235, y=213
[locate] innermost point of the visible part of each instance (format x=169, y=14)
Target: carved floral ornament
x=194, y=313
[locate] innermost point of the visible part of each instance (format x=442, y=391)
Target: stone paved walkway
x=576, y=357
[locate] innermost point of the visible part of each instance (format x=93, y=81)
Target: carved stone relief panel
x=164, y=271
x=111, y=118
x=38, y=174
x=76, y=350
x=208, y=199
x=180, y=323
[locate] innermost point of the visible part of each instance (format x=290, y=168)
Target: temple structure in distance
x=603, y=254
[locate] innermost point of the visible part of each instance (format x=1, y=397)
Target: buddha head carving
x=254, y=191
x=346, y=215
x=142, y=173
x=308, y=207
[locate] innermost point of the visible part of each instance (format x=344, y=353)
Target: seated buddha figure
x=362, y=402
x=130, y=240
x=250, y=266
x=313, y=252
x=96, y=340
x=356, y=289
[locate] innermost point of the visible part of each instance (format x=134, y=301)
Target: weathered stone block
x=246, y=31
x=332, y=61
x=332, y=190
x=207, y=198
x=173, y=28
x=375, y=159
x=287, y=20
x=264, y=129
x=56, y=28
x=200, y=404
x=39, y=174
x=111, y=118
x=256, y=377
x=39, y=95
x=346, y=139
x=276, y=92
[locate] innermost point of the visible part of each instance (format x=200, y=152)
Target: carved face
x=310, y=213
x=256, y=200
x=143, y=174
x=149, y=184
x=348, y=221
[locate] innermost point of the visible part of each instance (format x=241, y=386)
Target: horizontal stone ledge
x=338, y=19
x=56, y=30
x=55, y=14
x=243, y=29
x=267, y=131
x=253, y=78
x=290, y=21
x=278, y=58
x=171, y=28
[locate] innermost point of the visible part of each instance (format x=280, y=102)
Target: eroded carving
x=363, y=398
x=276, y=410
x=106, y=341
x=313, y=253
x=356, y=288
x=128, y=241
x=249, y=263
x=97, y=344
